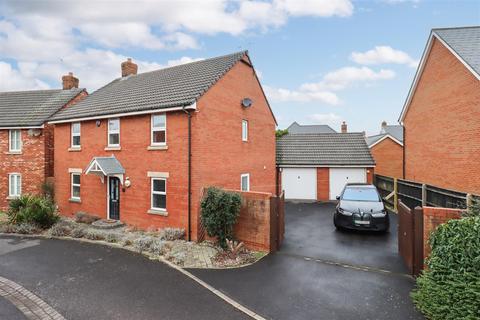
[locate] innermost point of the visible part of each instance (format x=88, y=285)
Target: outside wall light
x=127, y=183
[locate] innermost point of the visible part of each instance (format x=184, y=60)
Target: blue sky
x=320, y=61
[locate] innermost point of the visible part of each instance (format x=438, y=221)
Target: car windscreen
x=360, y=194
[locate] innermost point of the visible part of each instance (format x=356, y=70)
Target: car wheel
x=336, y=224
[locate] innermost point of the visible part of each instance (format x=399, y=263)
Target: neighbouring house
x=387, y=150
x=295, y=128
x=142, y=148
x=316, y=166
x=442, y=111
x=26, y=141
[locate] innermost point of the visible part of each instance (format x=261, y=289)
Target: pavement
x=88, y=281
x=322, y=273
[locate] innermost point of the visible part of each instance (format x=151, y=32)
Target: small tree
x=220, y=210
x=280, y=133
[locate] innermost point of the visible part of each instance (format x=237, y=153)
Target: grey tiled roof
x=465, y=41
x=395, y=131
x=324, y=149
x=109, y=165
x=32, y=108
x=296, y=128
x=372, y=139
x=170, y=87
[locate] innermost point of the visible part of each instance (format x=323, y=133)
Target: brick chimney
x=344, y=127
x=69, y=81
x=384, y=124
x=128, y=68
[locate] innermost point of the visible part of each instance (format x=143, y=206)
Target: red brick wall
x=388, y=156
x=442, y=131
x=432, y=218
x=370, y=174
x=253, y=225
x=30, y=164
x=323, y=184
x=218, y=154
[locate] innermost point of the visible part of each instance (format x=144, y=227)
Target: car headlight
x=344, y=212
x=379, y=214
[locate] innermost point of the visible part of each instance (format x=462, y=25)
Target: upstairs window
x=245, y=182
x=159, y=129
x=76, y=135
x=14, y=185
x=114, y=132
x=15, y=140
x=244, y=130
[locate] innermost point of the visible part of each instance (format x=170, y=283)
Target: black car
x=360, y=207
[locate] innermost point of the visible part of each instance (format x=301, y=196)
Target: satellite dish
x=247, y=102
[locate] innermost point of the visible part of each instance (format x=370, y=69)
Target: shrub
x=143, y=243
x=113, y=237
x=48, y=189
x=94, y=235
x=33, y=209
x=449, y=287
x=127, y=240
x=83, y=217
x=172, y=234
x=158, y=247
x=220, y=210
x=60, y=230
x=26, y=228
x=78, y=232
x=474, y=209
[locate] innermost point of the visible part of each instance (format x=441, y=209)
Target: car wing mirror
x=338, y=197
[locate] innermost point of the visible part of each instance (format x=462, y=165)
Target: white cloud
x=321, y=8
x=382, y=55
x=286, y=95
x=331, y=119
x=324, y=90
x=12, y=79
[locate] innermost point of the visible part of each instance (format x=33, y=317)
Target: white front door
x=341, y=176
x=300, y=183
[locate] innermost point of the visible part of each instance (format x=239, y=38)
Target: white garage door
x=341, y=176
x=300, y=183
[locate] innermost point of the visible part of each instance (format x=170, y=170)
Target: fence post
x=469, y=200
x=424, y=195
x=395, y=195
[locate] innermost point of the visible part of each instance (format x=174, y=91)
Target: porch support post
x=395, y=195
x=424, y=195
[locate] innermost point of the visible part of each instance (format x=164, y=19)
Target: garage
x=317, y=165
x=341, y=176
x=300, y=183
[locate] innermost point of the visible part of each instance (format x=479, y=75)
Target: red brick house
x=387, y=150
x=315, y=162
x=442, y=111
x=142, y=148
x=26, y=141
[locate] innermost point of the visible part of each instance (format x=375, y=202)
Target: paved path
x=87, y=281
x=321, y=273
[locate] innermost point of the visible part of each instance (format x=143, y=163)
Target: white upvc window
x=75, y=182
x=76, y=133
x=14, y=185
x=244, y=130
x=114, y=132
x=15, y=140
x=245, y=182
x=159, y=130
x=159, y=194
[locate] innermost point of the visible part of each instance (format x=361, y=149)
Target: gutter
x=189, y=229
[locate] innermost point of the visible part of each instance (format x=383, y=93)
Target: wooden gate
x=410, y=237
x=277, y=221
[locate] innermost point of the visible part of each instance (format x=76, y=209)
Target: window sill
x=165, y=147
x=113, y=148
x=74, y=200
x=14, y=152
x=12, y=197
x=158, y=212
x=75, y=149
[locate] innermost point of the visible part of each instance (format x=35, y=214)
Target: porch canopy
x=105, y=167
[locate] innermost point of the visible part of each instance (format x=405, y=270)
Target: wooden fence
x=414, y=194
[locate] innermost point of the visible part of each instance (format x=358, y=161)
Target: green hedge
x=449, y=288
x=220, y=210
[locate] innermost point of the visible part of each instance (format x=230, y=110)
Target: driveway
x=321, y=273
x=87, y=281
